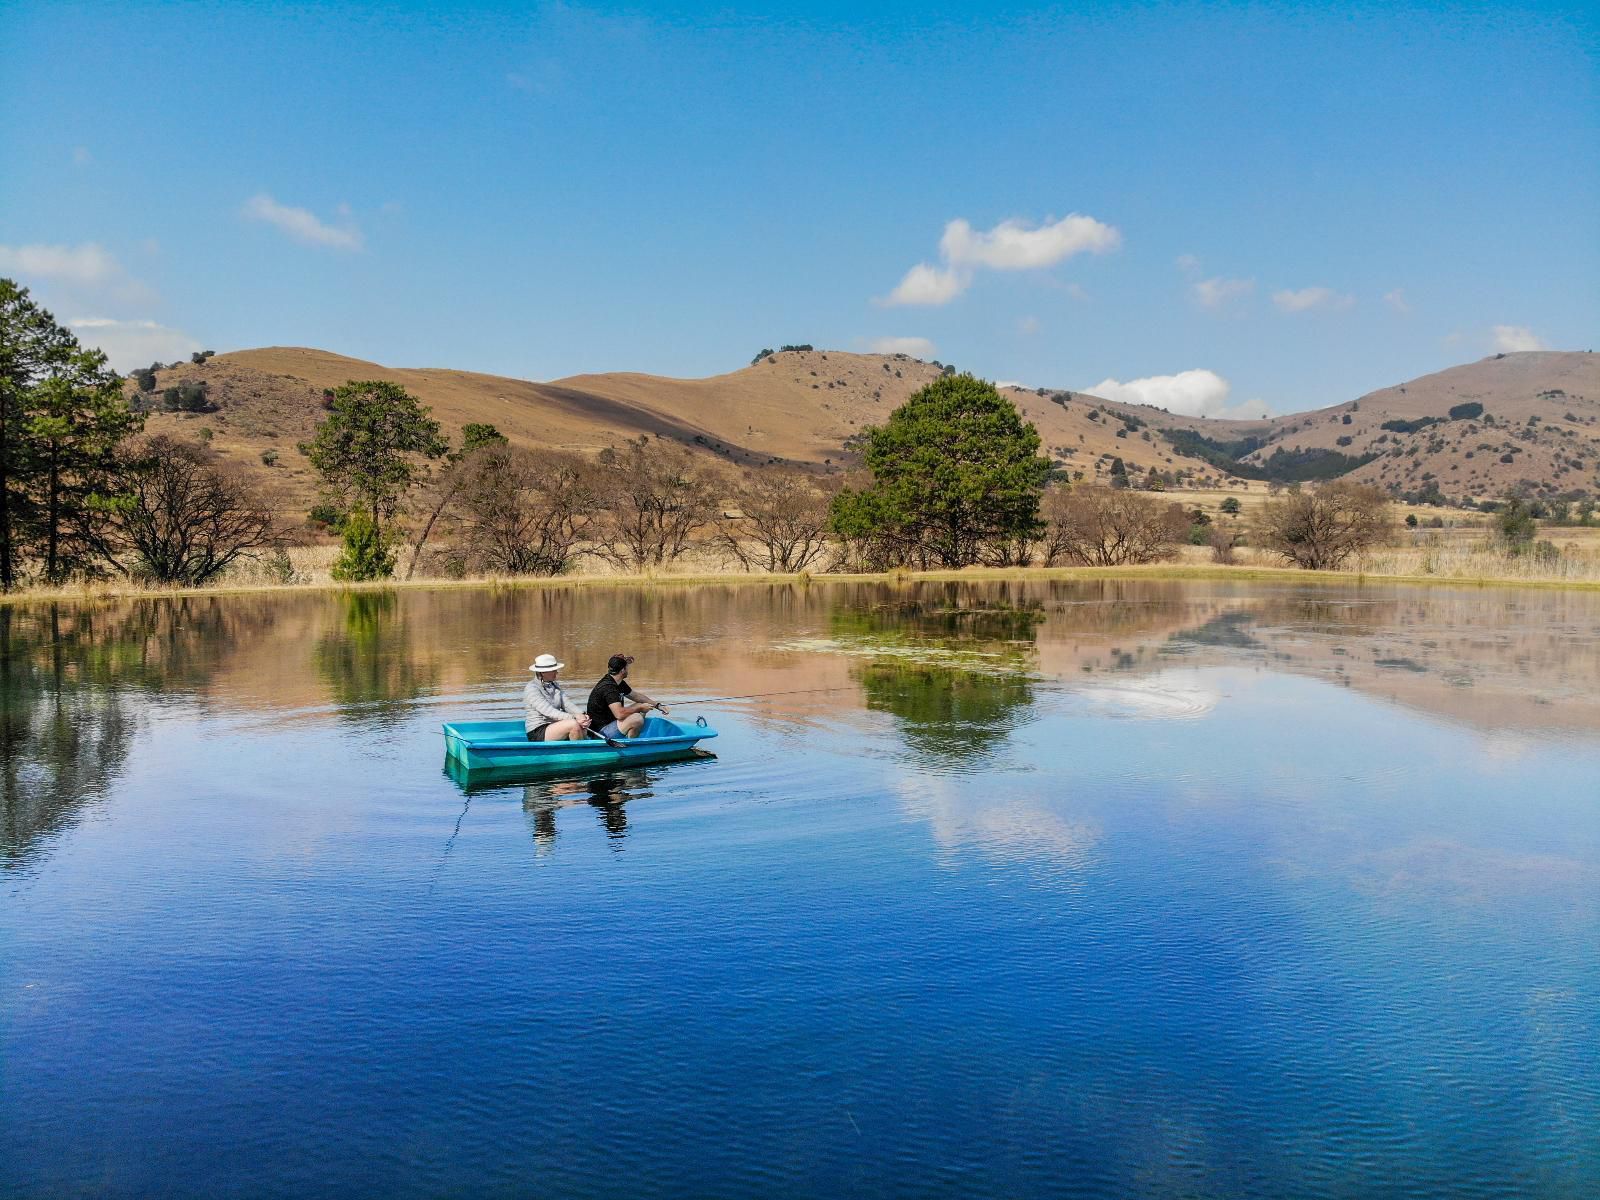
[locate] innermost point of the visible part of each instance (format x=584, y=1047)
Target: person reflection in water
x=606, y=795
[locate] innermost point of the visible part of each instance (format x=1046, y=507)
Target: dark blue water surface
x=1080, y=889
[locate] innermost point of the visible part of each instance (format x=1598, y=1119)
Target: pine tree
x=79, y=416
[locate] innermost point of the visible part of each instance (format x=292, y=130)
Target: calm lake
x=1047, y=889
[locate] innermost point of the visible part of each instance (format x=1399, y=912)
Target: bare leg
x=563, y=731
x=631, y=724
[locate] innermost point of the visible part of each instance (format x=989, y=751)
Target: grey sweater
x=543, y=701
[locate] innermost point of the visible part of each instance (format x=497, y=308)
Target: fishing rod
x=763, y=695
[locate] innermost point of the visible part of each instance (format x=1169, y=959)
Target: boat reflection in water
x=606, y=792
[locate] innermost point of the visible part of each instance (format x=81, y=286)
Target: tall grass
x=1576, y=559
x=1455, y=555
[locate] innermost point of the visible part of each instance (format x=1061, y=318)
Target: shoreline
x=1157, y=571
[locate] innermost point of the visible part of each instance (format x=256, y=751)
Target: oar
x=612, y=742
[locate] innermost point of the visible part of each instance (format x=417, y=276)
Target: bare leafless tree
x=654, y=502
x=521, y=513
x=1110, y=527
x=181, y=517
x=782, y=521
x=1223, y=539
x=1324, y=529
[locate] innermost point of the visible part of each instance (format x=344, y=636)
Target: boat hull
x=502, y=748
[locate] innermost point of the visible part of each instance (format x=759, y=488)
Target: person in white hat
x=548, y=715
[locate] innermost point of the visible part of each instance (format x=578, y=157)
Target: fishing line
x=763, y=695
x=455, y=833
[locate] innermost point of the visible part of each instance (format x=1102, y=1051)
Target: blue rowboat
x=503, y=747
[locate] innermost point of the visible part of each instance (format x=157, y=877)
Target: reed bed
x=1570, y=557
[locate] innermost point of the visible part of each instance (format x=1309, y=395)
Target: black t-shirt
x=606, y=693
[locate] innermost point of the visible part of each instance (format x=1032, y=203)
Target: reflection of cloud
x=1013, y=828
x=1158, y=697
x=1444, y=870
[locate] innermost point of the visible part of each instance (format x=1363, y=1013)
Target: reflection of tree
x=63, y=739
x=947, y=714
x=369, y=665
x=951, y=662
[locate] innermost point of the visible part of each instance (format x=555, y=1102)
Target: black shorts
x=536, y=734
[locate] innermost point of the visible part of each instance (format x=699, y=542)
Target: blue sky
x=1279, y=206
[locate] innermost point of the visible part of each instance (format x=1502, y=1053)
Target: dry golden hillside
x=796, y=407
x=1540, y=428
x=1540, y=425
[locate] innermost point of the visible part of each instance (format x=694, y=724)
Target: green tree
x=32, y=346
x=1515, y=524
x=478, y=433
x=79, y=417
x=370, y=451
x=955, y=467
x=366, y=554
x=1230, y=506
x=61, y=416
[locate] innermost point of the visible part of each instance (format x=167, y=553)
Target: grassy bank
x=1438, y=562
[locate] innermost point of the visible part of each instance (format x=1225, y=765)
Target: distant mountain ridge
x=1538, y=428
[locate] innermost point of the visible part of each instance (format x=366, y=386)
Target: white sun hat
x=546, y=662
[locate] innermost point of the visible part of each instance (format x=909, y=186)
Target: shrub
x=1412, y=426
x=1323, y=530
x=1514, y=524
x=366, y=554
x=1231, y=506
x=269, y=458
x=1108, y=527
x=1222, y=541
x=1469, y=411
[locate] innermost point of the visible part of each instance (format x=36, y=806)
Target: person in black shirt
x=615, y=708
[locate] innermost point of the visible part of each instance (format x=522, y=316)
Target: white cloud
x=1012, y=383
x=917, y=347
x=1397, y=300
x=301, y=225
x=1306, y=299
x=1508, y=339
x=1016, y=246
x=1216, y=292
x=82, y=274
x=87, y=265
x=130, y=344
x=925, y=284
x=1195, y=393
x=1010, y=246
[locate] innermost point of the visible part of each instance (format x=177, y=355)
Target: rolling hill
x=1530, y=419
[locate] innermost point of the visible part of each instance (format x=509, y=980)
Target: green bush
x=367, y=553
x=1466, y=412
x=327, y=515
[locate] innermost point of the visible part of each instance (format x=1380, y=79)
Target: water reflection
x=63, y=739
x=606, y=794
x=369, y=663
